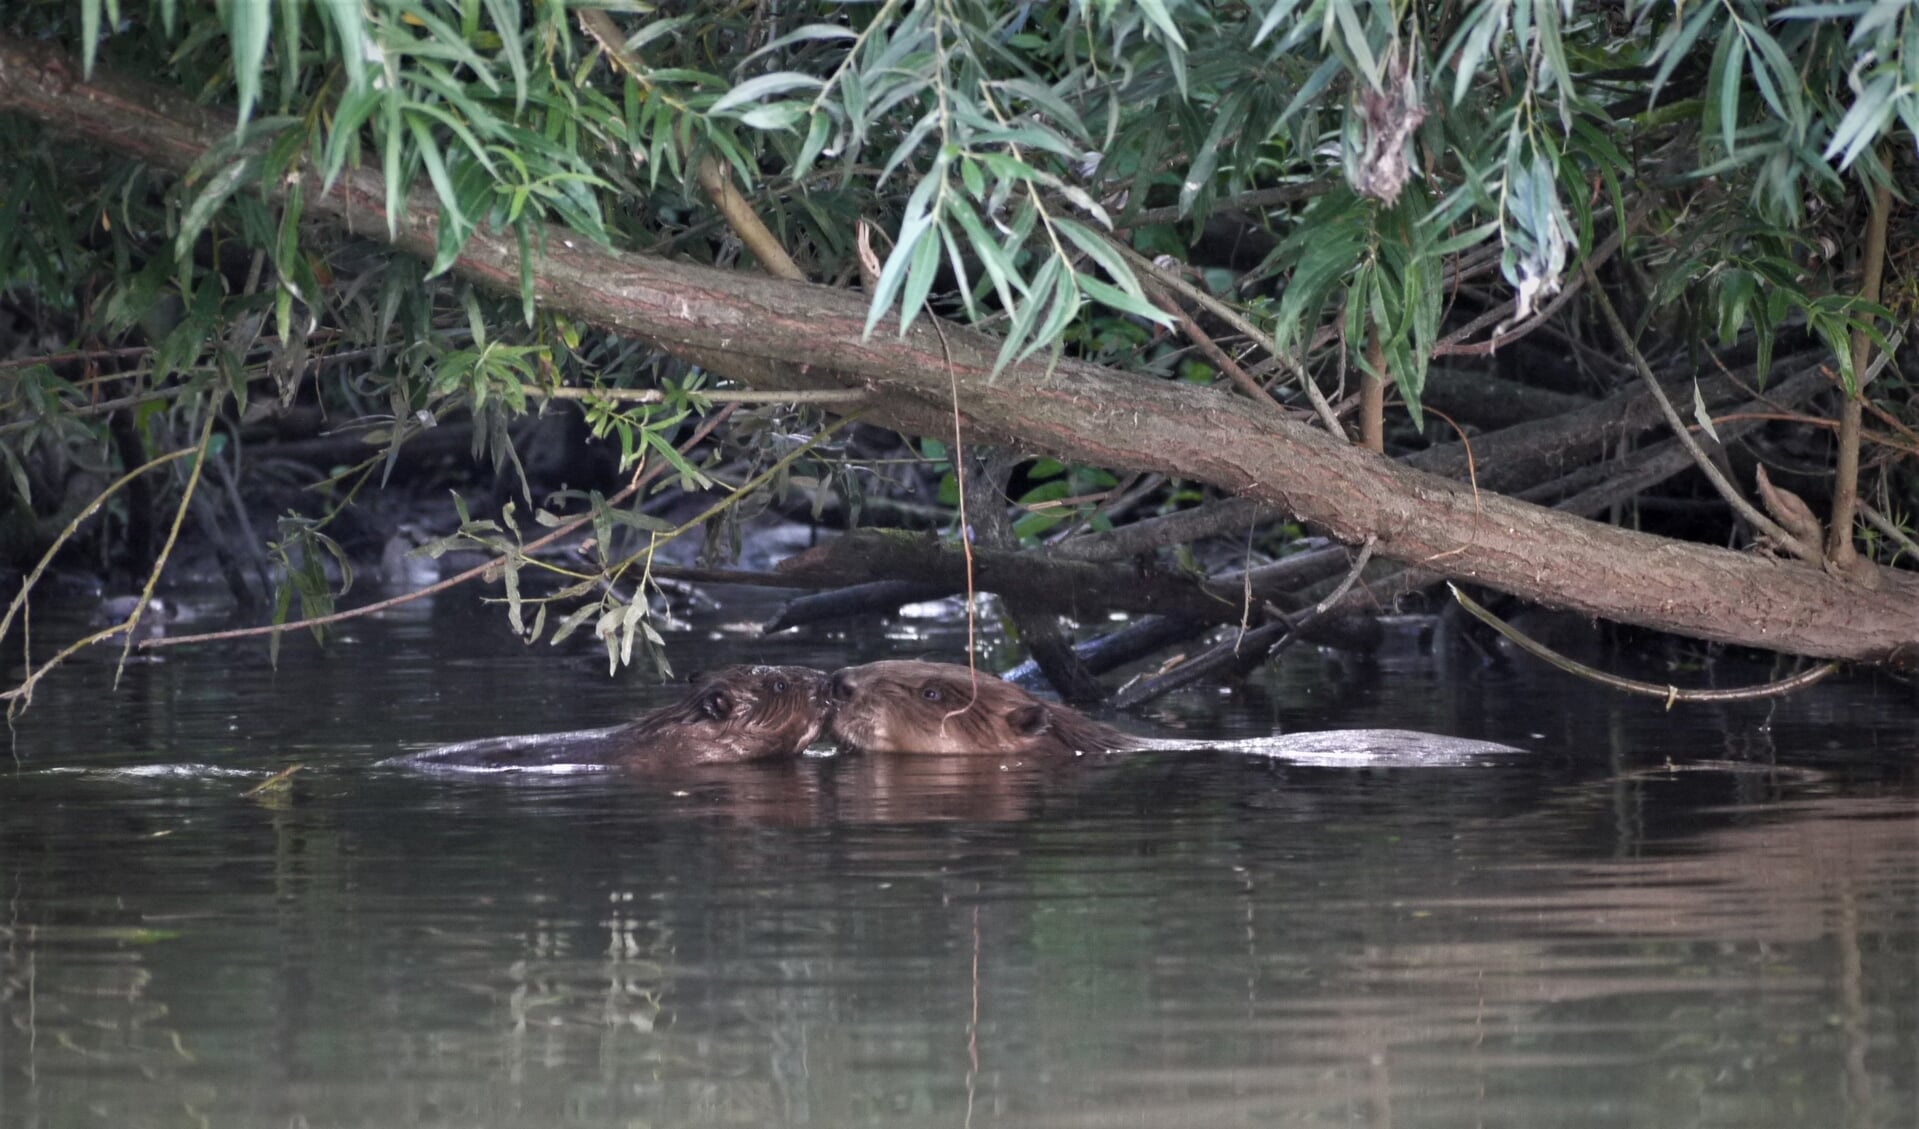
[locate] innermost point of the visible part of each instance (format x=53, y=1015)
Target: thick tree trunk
x=779, y=334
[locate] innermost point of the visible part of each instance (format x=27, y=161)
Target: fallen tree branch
x=1242, y=648
x=1080, y=589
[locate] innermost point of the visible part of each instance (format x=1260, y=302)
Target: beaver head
x=906, y=706
x=736, y=713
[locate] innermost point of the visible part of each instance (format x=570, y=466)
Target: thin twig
x=1449, y=346
x=1669, y=693
x=1260, y=641
x=21, y=696
x=1890, y=528
x=966, y=527
x=641, y=478
x=1238, y=321
x=173, y=538
x=1258, y=198
x=734, y=496
x=1221, y=358
x=754, y=396
x=93, y=507
x=1726, y=489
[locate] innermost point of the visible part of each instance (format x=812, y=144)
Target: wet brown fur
x=908, y=706
x=734, y=714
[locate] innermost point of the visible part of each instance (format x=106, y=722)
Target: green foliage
x=1004, y=143
x=1059, y=495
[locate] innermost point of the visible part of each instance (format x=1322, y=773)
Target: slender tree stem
x=1845, y=486
x=1372, y=393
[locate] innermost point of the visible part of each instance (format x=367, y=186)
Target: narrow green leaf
x=248, y=23
x=506, y=19
x=1122, y=301
x=764, y=86
x=1727, y=68
x=817, y=132
x=89, y=34
x=349, y=34
x=1102, y=253
x=1026, y=313
x=1206, y=160
x=1472, y=45
x=919, y=280
x=1353, y=37
x=343, y=138
x=774, y=117
x=1864, y=121
x=1778, y=81
x=572, y=623
x=458, y=128
x=394, y=159
x=805, y=34
x=999, y=266
x=1064, y=308
x=1275, y=15
x=1700, y=414
x=1471, y=237
x=1155, y=11
x=217, y=190
x=436, y=172
x=957, y=257
x=444, y=41
x=289, y=60
x=1049, y=103
x=915, y=226
x=1315, y=84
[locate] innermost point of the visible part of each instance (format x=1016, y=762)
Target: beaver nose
x=839, y=688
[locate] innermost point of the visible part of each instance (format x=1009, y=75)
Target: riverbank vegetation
x=1263, y=317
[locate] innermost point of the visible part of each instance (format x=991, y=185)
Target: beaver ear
x=717, y=703
x=1030, y=720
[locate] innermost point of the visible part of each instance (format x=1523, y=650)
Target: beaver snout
x=839, y=688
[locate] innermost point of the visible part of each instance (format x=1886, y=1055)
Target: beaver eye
x=779, y=685
x=931, y=693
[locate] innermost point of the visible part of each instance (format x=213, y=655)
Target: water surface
x=1708, y=917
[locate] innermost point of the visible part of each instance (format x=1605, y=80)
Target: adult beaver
x=734, y=714
x=909, y=706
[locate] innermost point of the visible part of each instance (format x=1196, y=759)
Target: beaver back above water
x=736, y=713
x=907, y=706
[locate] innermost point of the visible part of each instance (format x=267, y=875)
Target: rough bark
x=751, y=328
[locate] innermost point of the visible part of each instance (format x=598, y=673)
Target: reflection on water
x=1705, y=918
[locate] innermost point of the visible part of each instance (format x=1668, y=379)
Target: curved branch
x=1668, y=693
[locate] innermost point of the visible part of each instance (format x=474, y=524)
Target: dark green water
x=1696, y=918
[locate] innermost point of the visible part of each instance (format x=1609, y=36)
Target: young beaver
x=907, y=706
x=926, y=707
x=736, y=713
